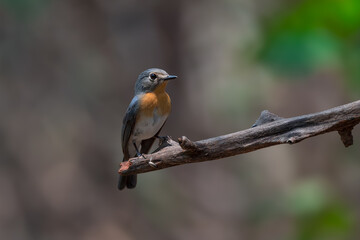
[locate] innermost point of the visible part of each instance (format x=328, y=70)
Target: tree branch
x=267, y=131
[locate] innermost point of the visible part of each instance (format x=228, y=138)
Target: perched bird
x=144, y=117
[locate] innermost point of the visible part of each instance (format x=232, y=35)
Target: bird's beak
x=169, y=77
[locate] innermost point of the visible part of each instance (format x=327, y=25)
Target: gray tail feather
x=128, y=181
x=122, y=182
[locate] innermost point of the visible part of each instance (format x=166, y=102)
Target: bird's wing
x=128, y=125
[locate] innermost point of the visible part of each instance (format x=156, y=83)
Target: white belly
x=147, y=127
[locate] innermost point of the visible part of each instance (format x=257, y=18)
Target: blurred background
x=67, y=71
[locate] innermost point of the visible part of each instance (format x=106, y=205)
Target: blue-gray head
x=151, y=79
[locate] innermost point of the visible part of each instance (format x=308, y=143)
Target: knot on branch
x=266, y=117
x=291, y=140
x=187, y=144
x=346, y=136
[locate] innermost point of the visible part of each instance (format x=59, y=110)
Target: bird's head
x=151, y=80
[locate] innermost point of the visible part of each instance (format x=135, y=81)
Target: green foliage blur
x=300, y=40
x=23, y=9
x=318, y=213
x=313, y=35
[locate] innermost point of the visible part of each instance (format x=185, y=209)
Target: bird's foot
x=140, y=155
x=163, y=139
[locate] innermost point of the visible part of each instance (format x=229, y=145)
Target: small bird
x=144, y=118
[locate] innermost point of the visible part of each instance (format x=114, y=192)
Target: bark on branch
x=267, y=131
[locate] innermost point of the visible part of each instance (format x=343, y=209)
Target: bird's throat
x=160, y=88
x=158, y=99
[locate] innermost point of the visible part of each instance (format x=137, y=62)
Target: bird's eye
x=153, y=76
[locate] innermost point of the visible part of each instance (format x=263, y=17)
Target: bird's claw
x=163, y=139
x=140, y=155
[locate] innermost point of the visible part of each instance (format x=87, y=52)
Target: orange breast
x=157, y=99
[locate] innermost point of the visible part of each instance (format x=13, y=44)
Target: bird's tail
x=127, y=181
x=130, y=181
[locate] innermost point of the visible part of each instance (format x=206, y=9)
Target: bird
x=144, y=118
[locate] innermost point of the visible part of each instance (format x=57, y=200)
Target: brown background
x=67, y=70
